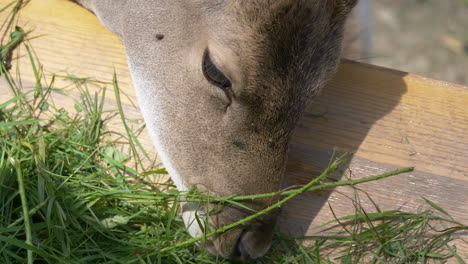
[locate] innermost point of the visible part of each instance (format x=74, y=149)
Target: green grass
x=56, y=181
x=68, y=193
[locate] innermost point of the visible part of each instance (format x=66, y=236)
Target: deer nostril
x=253, y=244
x=241, y=253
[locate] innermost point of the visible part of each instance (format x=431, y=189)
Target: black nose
x=254, y=242
x=244, y=253
x=241, y=253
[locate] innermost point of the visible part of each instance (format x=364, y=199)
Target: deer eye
x=213, y=74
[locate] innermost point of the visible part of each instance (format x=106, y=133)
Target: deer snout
x=249, y=241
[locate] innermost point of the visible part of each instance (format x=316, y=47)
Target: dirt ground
x=426, y=37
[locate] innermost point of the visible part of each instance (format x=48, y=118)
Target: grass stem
x=291, y=194
x=24, y=203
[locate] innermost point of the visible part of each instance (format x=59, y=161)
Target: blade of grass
x=7, y=6
x=437, y=207
x=454, y=253
x=14, y=99
x=24, y=204
x=131, y=136
x=19, y=123
x=27, y=246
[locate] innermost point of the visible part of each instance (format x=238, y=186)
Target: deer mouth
x=249, y=241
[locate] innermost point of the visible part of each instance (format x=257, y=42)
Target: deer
x=221, y=85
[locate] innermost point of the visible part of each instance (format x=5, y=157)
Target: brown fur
x=277, y=55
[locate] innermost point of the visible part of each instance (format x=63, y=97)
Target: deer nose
x=250, y=241
x=254, y=242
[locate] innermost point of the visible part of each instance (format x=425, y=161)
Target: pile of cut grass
x=67, y=195
x=57, y=170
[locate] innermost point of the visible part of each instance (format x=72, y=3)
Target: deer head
x=221, y=84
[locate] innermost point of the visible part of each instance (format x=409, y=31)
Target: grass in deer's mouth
x=67, y=193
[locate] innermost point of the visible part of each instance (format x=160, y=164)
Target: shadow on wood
x=339, y=120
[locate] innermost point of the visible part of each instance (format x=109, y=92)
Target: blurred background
x=426, y=37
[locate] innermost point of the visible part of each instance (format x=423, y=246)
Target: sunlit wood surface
x=388, y=119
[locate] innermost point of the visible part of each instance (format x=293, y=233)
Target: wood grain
x=388, y=119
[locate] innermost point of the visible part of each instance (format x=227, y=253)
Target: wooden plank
x=388, y=119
